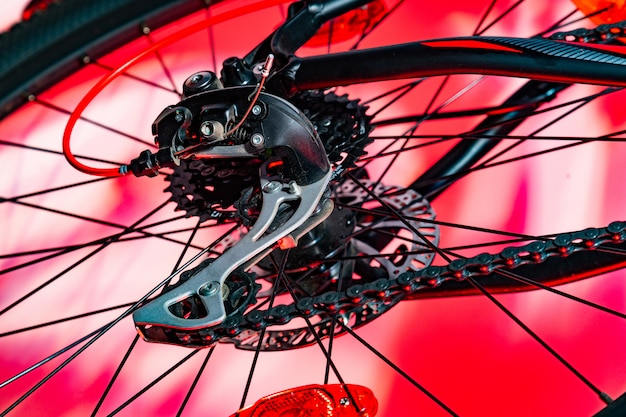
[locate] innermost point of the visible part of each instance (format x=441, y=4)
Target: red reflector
x=349, y=25
x=331, y=400
x=615, y=10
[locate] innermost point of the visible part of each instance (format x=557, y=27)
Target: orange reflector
x=615, y=10
x=349, y=25
x=331, y=400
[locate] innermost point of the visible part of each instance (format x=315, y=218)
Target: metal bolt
x=272, y=187
x=293, y=187
x=256, y=109
x=344, y=401
x=209, y=289
x=207, y=128
x=257, y=139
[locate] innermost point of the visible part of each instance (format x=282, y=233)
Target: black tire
x=54, y=43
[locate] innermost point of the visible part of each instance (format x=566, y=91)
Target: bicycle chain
x=603, y=33
x=376, y=297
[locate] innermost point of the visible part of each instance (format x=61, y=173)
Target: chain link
x=601, y=34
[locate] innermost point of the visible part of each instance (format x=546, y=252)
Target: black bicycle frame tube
x=553, y=66
x=539, y=59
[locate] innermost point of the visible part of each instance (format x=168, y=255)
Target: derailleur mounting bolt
x=257, y=139
x=207, y=128
x=272, y=187
x=209, y=289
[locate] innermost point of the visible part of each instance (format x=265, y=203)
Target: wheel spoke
x=195, y=381
x=384, y=213
x=397, y=369
x=111, y=129
x=51, y=151
x=94, y=336
x=553, y=290
x=320, y=344
x=100, y=222
x=136, y=78
x=117, y=238
x=66, y=319
x=83, y=259
x=115, y=375
x=52, y=190
x=257, y=351
x=43, y=362
x=603, y=396
x=154, y=382
x=211, y=38
x=146, y=30
x=368, y=30
x=484, y=16
x=136, y=338
x=499, y=17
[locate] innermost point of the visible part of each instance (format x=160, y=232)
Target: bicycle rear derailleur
x=294, y=173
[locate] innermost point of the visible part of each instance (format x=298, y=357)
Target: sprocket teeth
x=197, y=187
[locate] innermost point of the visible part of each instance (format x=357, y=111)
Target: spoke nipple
x=606, y=398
